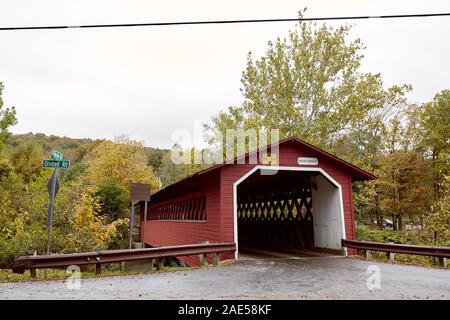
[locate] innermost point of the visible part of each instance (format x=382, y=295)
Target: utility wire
x=421, y=164
x=179, y=23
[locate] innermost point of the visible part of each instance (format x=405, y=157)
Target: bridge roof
x=357, y=173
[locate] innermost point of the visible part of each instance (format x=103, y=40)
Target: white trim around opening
x=279, y=168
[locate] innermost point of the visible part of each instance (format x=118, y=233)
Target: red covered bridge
x=302, y=201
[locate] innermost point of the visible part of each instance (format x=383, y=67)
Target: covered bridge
x=302, y=200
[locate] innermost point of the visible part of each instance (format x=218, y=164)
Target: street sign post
x=53, y=187
x=50, y=185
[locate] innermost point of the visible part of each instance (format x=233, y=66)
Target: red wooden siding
x=176, y=232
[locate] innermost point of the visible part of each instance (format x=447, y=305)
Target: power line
x=180, y=23
x=417, y=165
x=421, y=164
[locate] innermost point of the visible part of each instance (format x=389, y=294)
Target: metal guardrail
x=100, y=257
x=439, y=252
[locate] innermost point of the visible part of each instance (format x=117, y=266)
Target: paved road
x=301, y=278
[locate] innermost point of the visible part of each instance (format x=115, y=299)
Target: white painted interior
x=326, y=215
x=328, y=198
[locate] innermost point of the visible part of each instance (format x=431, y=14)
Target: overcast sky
x=147, y=82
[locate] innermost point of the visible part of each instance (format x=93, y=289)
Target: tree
x=123, y=162
x=75, y=172
x=27, y=160
x=438, y=221
x=154, y=157
x=118, y=236
x=402, y=186
x=112, y=200
x=436, y=136
x=308, y=85
x=89, y=232
x=169, y=172
x=13, y=237
x=7, y=119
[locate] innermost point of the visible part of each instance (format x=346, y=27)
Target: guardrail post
x=367, y=254
x=390, y=255
x=443, y=262
x=159, y=263
x=33, y=272
x=98, y=268
x=215, y=259
x=152, y=264
x=202, y=257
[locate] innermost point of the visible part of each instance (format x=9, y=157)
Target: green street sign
x=56, y=155
x=56, y=164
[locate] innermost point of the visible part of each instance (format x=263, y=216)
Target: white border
x=281, y=168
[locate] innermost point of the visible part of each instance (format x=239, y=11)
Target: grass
x=386, y=235
x=400, y=237
x=6, y=275
x=406, y=259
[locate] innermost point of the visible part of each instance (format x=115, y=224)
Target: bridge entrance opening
x=287, y=213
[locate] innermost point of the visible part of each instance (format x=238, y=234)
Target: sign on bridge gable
x=307, y=161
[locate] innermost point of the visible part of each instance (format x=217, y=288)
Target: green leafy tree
x=7, y=119
x=118, y=234
x=112, y=200
x=170, y=172
x=438, y=220
x=75, y=172
x=436, y=136
x=308, y=85
x=22, y=217
x=154, y=157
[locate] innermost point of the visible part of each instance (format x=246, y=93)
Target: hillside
x=75, y=149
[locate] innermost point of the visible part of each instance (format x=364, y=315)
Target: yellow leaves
x=85, y=211
x=123, y=162
x=12, y=226
x=87, y=225
x=438, y=220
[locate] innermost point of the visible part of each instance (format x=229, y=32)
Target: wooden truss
x=189, y=209
x=280, y=217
